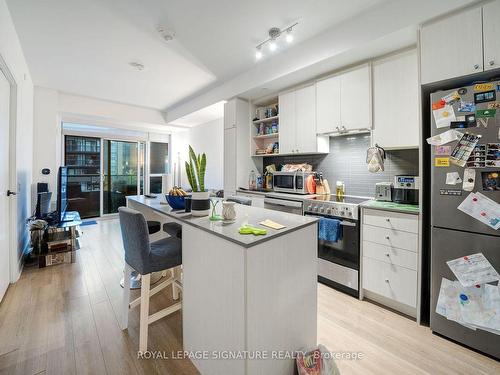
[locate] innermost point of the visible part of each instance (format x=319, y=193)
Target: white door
x=287, y=123
x=452, y=47
x=305, y=119
x=328, y=105
x=395, y=101
x=491, y=31
x=4, y=185
x=355, y=98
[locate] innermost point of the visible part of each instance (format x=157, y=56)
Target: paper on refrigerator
x=482, y=208
x=444, y=138
x=473, y=270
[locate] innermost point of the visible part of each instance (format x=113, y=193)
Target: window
x=158, y=165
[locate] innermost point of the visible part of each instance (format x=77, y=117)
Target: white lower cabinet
x=390, y=259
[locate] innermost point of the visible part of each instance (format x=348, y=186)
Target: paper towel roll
x=166, y=183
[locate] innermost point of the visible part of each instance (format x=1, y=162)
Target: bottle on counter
x=259, y=184
x=252, y=182
x=340, y=189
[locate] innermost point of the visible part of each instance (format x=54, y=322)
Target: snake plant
x=195, y=170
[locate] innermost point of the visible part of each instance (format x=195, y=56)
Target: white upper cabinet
x=452, y=47
x=328, y=105
x=298, y=123
x=395, y=101
x=343, y=102
x=491, y=30
x=287, y=123
x=305, y=117
x=355, y=98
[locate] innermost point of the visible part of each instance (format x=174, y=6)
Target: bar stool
x=135, y=278
x=146, y=258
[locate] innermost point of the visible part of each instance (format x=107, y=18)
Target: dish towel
x=330, y=229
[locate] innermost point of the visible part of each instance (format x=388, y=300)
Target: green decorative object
x=248, y=229
x=214, y=216
x=195, y=170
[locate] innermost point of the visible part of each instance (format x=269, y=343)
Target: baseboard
x=20, y=265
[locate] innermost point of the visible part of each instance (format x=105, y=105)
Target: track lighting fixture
x=274, y=34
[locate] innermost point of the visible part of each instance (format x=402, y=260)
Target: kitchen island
x=248, y=302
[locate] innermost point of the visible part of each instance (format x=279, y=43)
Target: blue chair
x=145, y=258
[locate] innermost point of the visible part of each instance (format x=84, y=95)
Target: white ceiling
x=84, y=47
x=211, y=113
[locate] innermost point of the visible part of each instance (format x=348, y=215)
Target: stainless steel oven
x=338, y=262
x=291, y=182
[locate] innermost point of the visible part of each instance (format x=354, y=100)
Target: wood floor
x=64, y=320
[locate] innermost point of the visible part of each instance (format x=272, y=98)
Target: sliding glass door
x=123, y=173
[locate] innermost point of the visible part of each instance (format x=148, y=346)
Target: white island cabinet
x=245, y=296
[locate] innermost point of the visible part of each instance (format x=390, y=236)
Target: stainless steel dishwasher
x=284, y=205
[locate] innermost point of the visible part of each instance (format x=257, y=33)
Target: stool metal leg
x=126, y=295
x=144, y=318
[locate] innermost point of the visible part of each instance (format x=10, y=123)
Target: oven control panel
x=349, y=211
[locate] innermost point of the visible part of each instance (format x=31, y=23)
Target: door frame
x=15, y=264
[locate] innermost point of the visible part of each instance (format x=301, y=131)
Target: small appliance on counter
x=291, y=182
x=383, y=191
x=406, y=189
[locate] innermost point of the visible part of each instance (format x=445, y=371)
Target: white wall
x=11, y=52
x=206, y=138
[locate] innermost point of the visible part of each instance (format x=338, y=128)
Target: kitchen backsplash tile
x=347, y=162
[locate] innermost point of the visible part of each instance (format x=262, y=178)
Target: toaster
x=383, y=191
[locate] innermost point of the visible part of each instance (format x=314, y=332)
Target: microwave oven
x=291, y=182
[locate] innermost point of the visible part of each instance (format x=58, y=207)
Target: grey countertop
x=391, y=206
x=230, y=231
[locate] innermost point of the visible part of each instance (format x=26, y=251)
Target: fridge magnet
x=483, y=87
x=495, y=105
x=451, y=192
x=478, y=157
x=471, y=120
x=486, y=113
x=451, y=98
x=464, y=149
x=472, y=270
x=493, y=155
x=466, y=107
x=459, y=124
x=482, y=209
x=491, y=181
x=469, y=179
x=453, y=178
x=486, y=96
x=444, y=116
x=441, y=162
x=438, y=105
x=442, y=150
x=444, y=138
x=462, y=91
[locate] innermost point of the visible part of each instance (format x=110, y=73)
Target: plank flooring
x=64, y=320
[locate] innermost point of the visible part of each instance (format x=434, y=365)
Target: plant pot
x=200, y=203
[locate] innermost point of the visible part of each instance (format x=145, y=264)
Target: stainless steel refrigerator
x=455, y=234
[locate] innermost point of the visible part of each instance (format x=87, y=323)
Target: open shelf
x=268, y=119
x=265, y=155
x=266, y=136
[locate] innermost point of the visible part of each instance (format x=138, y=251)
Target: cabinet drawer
x=391, y=238
x=391, y=220
x=388, y=280
x=391, y=255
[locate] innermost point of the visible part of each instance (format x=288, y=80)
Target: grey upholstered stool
x=145, y=258
x=241, y=200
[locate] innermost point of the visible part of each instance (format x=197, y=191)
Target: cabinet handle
x=387, y=254
x=388, y=220
x=476, y=66
x=387, y=238
x=491, y=62
x=387, y=281
x=337, y=128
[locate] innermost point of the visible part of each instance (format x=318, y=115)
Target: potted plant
x=195, y=171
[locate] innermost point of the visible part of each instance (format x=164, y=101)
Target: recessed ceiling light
x=137, y=65
x=166, y=33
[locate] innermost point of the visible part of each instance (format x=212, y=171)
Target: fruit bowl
x=177, y=202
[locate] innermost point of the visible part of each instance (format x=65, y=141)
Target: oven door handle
x=347, y=223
